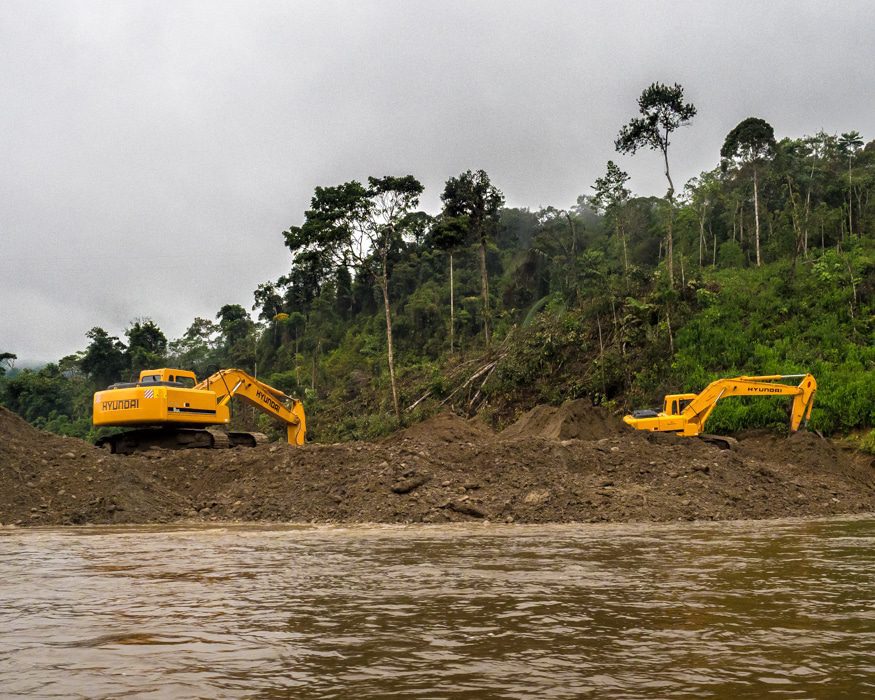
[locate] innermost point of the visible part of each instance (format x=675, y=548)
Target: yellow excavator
x=169, y=408
x=685, y=414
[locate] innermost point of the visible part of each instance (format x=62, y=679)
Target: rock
x=408, y=485
x=536, y=497
x=466, y=508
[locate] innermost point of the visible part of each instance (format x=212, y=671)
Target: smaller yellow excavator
x=170, y=409
x=685, y=414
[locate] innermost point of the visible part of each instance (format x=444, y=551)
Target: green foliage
x=730, y=254
x=750, y=141
x=7, y=361
x=105, y=359
x=768, y=322
x=147, y=346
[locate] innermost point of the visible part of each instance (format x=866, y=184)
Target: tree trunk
x=756, y=215
x=452, y=307
x=602, y=358
x=670, y=244
x=621, y=233
x=390, y=354
x=484, y=287
x=850, y=202
x=714, y=248
x=794, y=217
x=670, y=199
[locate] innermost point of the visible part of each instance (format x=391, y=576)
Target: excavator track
x=144, y=439
x=724, y=442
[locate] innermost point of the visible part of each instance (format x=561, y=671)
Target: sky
x=152, y=152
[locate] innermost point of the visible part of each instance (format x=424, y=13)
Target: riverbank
x=568, y=464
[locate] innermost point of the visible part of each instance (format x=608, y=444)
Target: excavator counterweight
x=685, y=414
x=169, y=408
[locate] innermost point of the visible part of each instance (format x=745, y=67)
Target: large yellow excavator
x=169, y=408
x=685, y=414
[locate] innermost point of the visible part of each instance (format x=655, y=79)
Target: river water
x=727, y=610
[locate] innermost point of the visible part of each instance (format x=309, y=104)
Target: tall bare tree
x=473, y=197
x=850, y=143
x=663, y=111
x=749, y=145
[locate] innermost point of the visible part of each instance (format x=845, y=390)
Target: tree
x=556, y=241
x=236, y=330
x=449, y=234
x=471, y=195
x=850, y=143
x=40, y=395
x=611, y=196
x=351, y=225
x=8, y=359
x=196, y=349
x=105, y=358
x=663, y=111
x=749, y=144
x=703, y=193
x=268, y=302
x=147, y=345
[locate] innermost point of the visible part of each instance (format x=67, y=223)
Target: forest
x=764, y=264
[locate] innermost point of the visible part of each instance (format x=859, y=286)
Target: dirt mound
x=13, y=428
x=49, y=479
x=444, y=428
x=802, y=449
x=573, y=465
x=576, y=419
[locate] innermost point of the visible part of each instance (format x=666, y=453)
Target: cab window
x=187, y=382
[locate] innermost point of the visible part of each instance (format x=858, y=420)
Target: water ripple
x=729, y=610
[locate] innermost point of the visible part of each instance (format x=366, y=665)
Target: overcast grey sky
x=153, y=152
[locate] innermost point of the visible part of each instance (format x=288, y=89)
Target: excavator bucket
x=800, y=412
x=296, y=433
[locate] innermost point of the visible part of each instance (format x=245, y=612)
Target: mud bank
x=566, y=464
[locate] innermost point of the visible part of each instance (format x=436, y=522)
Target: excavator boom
x=686, y=414
x=228, y=383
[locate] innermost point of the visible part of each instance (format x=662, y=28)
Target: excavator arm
x=700, y=408
x=228, y=383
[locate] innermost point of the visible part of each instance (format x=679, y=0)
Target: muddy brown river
x=781, y=609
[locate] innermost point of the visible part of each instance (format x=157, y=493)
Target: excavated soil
x=566, y=464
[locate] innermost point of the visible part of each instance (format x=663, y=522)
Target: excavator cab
x=675, y=404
